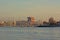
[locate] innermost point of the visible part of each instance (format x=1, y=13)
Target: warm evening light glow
x=40, y=9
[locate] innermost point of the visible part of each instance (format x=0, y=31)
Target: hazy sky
x=40, y=9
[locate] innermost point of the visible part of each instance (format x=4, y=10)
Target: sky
x=21, y=9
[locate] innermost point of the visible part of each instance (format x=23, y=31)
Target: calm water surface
x=29, y=33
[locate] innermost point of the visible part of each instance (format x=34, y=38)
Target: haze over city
x=40, y=9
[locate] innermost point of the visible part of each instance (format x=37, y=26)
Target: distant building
x=11, y=23
x=21, y=23
x=39, y=22
x=58, y=23
x=14, y=23
x=45, y=23
x=31, y=21
x=2, y=23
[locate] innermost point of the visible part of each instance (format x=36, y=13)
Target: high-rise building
x=31, y=20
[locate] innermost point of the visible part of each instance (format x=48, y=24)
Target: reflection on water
x=29, y=33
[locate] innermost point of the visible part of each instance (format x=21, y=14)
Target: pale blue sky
x=40, y=9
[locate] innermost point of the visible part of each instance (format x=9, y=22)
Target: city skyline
x=40, y=9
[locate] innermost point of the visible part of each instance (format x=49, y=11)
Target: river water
x=29, y=33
